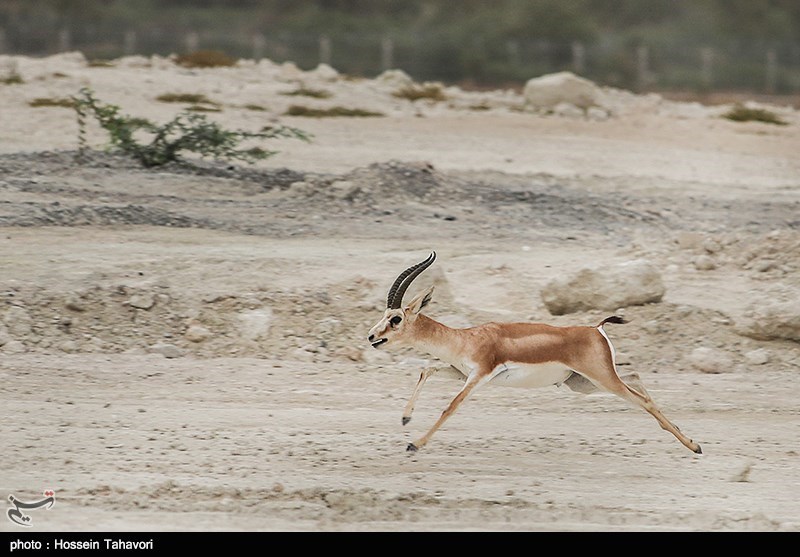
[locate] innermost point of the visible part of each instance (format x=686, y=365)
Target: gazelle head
x=398, y=321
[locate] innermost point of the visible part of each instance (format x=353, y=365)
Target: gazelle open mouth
x=379, y=342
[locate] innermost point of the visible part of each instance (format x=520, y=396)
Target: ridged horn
x=395, y=298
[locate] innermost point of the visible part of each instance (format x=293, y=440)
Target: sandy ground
x=184, y=348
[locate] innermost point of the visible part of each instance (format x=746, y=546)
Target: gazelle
x=512, y=354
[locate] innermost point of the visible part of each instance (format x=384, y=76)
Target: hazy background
x=690, y=46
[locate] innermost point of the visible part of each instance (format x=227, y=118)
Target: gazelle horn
x=395, y=298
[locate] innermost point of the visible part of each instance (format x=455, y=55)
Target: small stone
x=704, y=263
x=302, y=354
x=710, y=360
x=75, y=303
x=14, y=347
x=757, y=357
x=197, y=333
x=254, y=324
x=68, y=346
x=711, y=245
x=166, y=350
x=142, y=301
x=764, y=265
x=18, y=321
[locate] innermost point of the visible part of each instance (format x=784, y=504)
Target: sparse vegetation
x=100, y=64
x=336, y=111
x=205, y=59
x=189, y=98
x=153, y=144
x=52, y=101
x=430, y=91
x=741, y=113
x=13, y=79
x=306, y=92
x=255, y=107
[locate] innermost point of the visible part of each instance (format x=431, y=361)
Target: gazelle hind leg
x=612, y=383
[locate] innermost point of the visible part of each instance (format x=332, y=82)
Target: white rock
x=75, y=302
x=607, y=288
x=14, y=347
x=710, y=360
x=704, y=263
x=548, y=91
x=254, y=324
x=135, y=61
x=197, y=333
x=395, y=79
x=711, y=245
x=757, y=357
x=568, y=110
x=324, y=72
x=142, y=301
x=166, y=350
x=302, y=354
x=68, y=346
x=18, y=321
x=771, y=319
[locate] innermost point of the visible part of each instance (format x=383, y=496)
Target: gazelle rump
x=512, y=354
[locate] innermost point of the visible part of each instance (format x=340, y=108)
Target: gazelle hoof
x=698, y=450
x=411, y=448
x=406, y=419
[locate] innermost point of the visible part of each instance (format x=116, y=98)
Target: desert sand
x=184, y=347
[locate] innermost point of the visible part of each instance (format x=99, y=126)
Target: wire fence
x=735, y=66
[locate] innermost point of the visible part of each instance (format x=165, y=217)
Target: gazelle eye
x=395, y=320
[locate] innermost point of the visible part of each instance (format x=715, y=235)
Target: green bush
x=741, y=113
x=429, y=91
x=163, y=143
x=336, y=111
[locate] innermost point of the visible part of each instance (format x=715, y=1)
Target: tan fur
x=478, y=352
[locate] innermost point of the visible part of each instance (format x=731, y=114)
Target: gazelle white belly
x=515, y=374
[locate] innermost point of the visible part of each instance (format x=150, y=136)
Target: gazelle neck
x=438, y=340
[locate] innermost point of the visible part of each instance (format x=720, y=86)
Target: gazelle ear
x=420, y=301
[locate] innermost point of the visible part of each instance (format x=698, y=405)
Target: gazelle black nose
x=371, y=338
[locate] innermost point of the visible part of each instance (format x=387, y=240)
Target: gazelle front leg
x=472, y=381
x=423, y=377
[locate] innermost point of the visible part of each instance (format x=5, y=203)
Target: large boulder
x=771, y=319
x=549, y=91
x=631, y=283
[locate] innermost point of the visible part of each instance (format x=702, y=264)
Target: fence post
x=325, y=50
x=259, y=42
x=387, y=53
x=129, y=43
x=707, y=67
x=578, y=57
x=772, y=71
x=191, y=41
x=514, y=57
x=642, y=67
x=64, y=42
